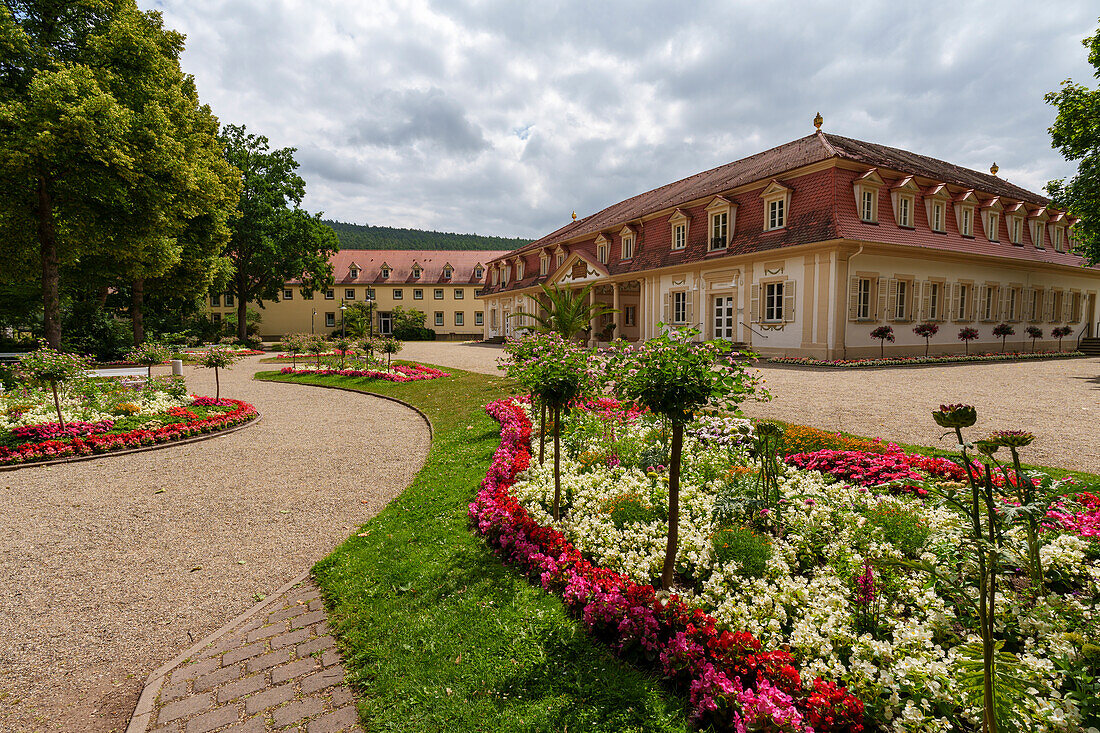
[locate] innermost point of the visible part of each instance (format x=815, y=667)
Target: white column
x=592, y=325
x=617, y=318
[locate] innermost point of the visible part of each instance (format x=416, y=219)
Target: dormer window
x=627, y=248
x=937, y=217
x=519, y=269
x=721, y=213
x=1056, y=236
x=544, y=264
x=385, y=271
x=1014, y=229
x=866, y=190
x=478, y=273
x=1014, y=222
x=1038, y=230
x=777, y=198
x=505, y=272
x=354, y=272
x=903, y=196
x=416, y=272
x=936, y=197
x=964, y=212
x=496, y=276
x=679, y=223
x=559, y=258
x=991, y=219
x=602, y=246
x=448, y=271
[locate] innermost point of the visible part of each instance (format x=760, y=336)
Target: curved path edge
x=403, y=403
x=142, y=449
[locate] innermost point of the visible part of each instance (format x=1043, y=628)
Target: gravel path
x=1058, y=400
x=113, y=566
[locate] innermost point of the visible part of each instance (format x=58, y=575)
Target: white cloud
x=501, y=118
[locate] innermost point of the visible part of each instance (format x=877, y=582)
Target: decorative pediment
x=1039, y=214
x=354, y=266
x=937, y=191
x=993, y=204
x=578, y=268
x=602, y=239
x=1057, y=217
x=719, y=203
x=627, y=231
x=967, y=197
x=1016, y=209
x=906, y=184
x=775, y=188
x=870, y=178
x=679, y=216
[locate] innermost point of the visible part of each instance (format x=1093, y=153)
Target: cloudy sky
x=502, y=117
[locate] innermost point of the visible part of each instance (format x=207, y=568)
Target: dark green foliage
x=90, y=329
x=365, y=236
x=749, y=548
x=903, y=527
x=413, y=333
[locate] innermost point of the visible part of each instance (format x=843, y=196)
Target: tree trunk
x=57, y=404
x=557, y=462
x=542, y=431
x=881, y=348
x=926, y=348
x=669, y=572
x=47, y=240
x=242, y=322
x=217, y=386
x=137, y=310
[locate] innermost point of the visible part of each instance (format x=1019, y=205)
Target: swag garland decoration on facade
x=730, y=680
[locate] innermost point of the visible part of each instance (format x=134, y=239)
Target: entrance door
x=385, y=323
x=724, y=311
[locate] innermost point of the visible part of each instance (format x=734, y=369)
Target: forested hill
x=360, y=236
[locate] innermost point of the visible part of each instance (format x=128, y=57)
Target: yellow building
x=442, y=284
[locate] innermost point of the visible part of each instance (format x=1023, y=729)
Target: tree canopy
x=273, y=240
x=1076, y=133
x=110, y=168
x=365, y=236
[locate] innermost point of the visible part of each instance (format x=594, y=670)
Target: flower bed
x=828, y=577
x=234, y=350
x=178, y=422
x=396, y=373
x=917, y=360
x=731, y=681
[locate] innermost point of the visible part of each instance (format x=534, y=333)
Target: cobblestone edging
x=274, y=666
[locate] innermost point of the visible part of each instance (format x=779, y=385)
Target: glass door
x=723, y=317
x=385, y=323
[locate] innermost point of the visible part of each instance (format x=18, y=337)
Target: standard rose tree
x=1003, y=331
x=217, y=358
x=966, y=335
x=46, y=366
x=883, y=334
x=1060, y=333
x=926, y=331
x=1033, y=333
x=149, y=355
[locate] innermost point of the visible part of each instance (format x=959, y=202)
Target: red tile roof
x=401, y=261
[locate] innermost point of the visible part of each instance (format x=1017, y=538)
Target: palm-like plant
x=564, y=311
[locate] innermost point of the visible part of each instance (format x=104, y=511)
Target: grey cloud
x=400, y=118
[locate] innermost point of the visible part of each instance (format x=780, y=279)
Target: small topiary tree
x=883, y=334
x=217, y=358
x=1033, y=333
x=1003, y=331
x=926, y=331
x=342, y=345
x=149, y=355
x=45, y=366
x=315, y=344
x=966, y=335
x=1060, y=333
x=390, y=346
x=674, y=376
x=369, y=346
x=294, y=344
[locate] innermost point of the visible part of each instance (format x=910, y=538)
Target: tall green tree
x=273, y=239
x=106, y=156
x=1076, y=133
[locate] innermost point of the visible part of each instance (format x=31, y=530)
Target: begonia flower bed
x=810, y=614
x=918, y=360
x=84, y=439
x=396, y=373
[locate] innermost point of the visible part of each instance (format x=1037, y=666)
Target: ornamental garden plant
x=1060, y=332
x=926, y=331
x=883, y=334
x=966, y=335
x=1034, y=333
x=1003, y=331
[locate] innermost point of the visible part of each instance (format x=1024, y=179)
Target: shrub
x=1060, y=333
x=750, y=549
x=1033, y=333
x=630, y=509
x=903, y=527
x=803, y=439
x=406, y=332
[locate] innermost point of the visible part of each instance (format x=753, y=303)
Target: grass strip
x=437, y=634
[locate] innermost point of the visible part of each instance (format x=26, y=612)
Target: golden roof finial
x=574, y=216
x=818, y=120
x=993, y=169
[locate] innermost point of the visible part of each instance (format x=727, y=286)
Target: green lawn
x=436, y=632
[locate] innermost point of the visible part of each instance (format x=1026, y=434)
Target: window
x=330, y=320
x=308, y=295
x=862, y=306
x=493, y=318
x=559, y=260
x=349, y=293
x=1037, y=232
x=544, y=264
x=963, y=306
x=934, y=295
x=777, y=214
x=520, y=267
x=966, y=223
x=719, y=229
x=418, y=293
x=416, y=273
x=1012, y=304
x=459, y=293
x=901, y=301
x=505, y=270
x=496, y=276
x=370, y=293
x=447, y=272
x=216, y=300
x=679, y=236
x=1056, y=236
x=773, y=301
x=992, y=224
x=679, y=307
x=354, y=272
x=216, y=318
x=937, y=216
x=288, y=294
x=1035, y=306
x=1014, y=230
x=460, y=318
x=478, y=273
x=868, y=210
x=905, y=211
x=630, y=314
x=439, y=318
x=385, y=323
x=330, y=294
x=1075, y=308
x=385, y=272
x=601, y=252
x=228, y=300
x=398, y=294
x=989, y=310
x=438, y=294
x=479, y=318
x=628, y=247
x=478, y=292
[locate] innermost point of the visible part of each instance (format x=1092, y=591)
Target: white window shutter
x=1067, y=306
x=1004, y=314
x=665, y=312
x=853, y=299
x=956, y=290
x=926, y=301
x=880, y=314
x=788, y=300
x=754, y=304
x=689, y=308
x=892, y=301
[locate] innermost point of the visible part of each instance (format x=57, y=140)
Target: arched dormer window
x=385, y=271
x=416, y=272
x=479, y=273
x=448, y=271
x=721, y=215
x=777, y=204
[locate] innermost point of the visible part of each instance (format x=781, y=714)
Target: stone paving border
x=274, y=666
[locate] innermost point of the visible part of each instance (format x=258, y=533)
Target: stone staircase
x=1091, y=346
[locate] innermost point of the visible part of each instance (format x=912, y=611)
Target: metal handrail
x=1086, y=329
x=753, y=330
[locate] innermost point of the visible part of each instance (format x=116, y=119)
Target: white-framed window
x=679, y=236
x=863, y=299
x=601, y=252
x=439, y=318
x=544, y=264
x=679, y=307
x=628, y=247
x=505, y=271
x=519, y=269
x=1012, y=304
x=349, y=293
x=330, y=320
x=1055, y=235
x=416, y=273
x=630, y=315
x=460, y=318
x=1038, y=229
x=437, y=294
x=330, y=294
x=962, y=308
x=719, y=230
x=992, y=225
x=938, y=218
x=385, y=272
x=496, y=276
x=1035, y=305
x=398, y=294
x=559, y=260
x=905, y=211
x=459, y=293
x=773, y=301
x=901, y=301
x=418, y=293
x=868, y=204
x=448, y=272
x=354, y=272
x=370, y=293
x=777, y=213
x=479, y=318
x=288, y=294
x=1015, y=229
x=935, y=295
x=966, y=221
x=478, y=273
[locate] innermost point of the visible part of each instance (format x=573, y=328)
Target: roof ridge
x=821, y=136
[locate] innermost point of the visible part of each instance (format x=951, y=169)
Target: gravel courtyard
x=113, y=566
x=1057, y=400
